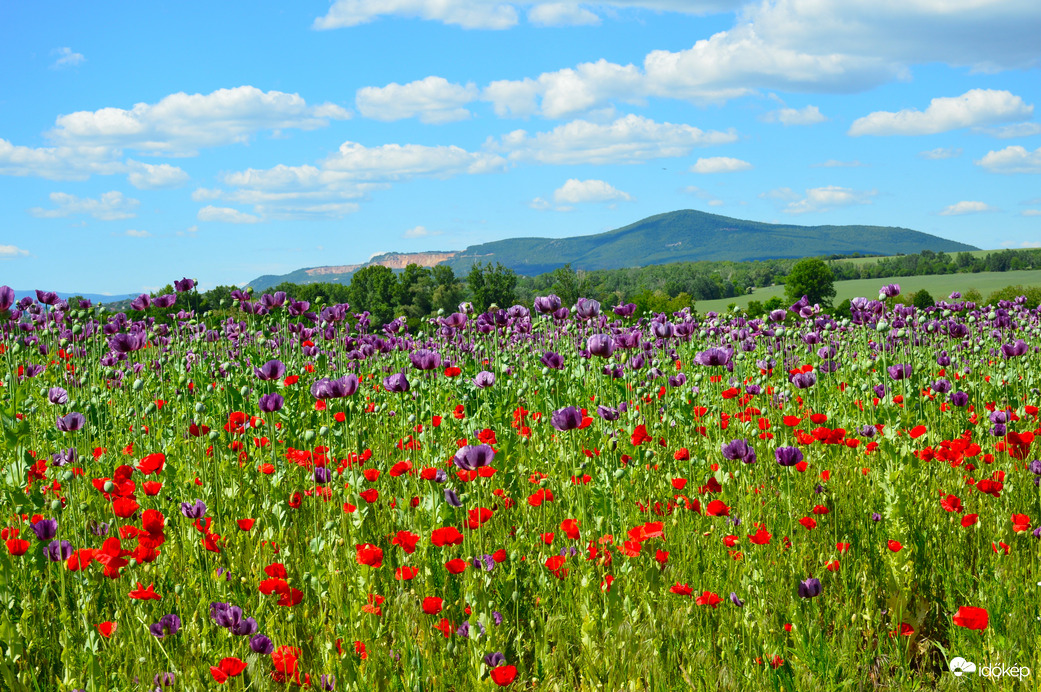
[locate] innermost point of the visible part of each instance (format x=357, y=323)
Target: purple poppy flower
x=126, y=343
x=470, y=458
x=736, y=601
x=98, y=528
x=889, y=291
x=452, y=498
x=322, y=475
x=64, y=457
x=184, y=285
x=6, y=298
x=397, y=383
x=142, y=302
x=273, y=301
x=271, y=370
x=547, y=304
x=810, y=588
x=46, y=297
x=269, y=403
x=959, y=399
x=494, y=659
x=803, y=380
x=798, y=305
x=58, y=551
x=941, y=386
x=484, y=379
x=1012, y=350
x=600, y=345
x=45, y=529
x=788, y=456
x=587, y=308
x=626, y=310
x=57, y=395
x=71, y=422
x=194, y=511
x=168, y=624
x=164, y=680
x=608, y=414
x=900, y=371
x=261, y=645
x=738, y=450
x=876, y=517
x=327, y=682
x=424, y=359
x=714, y=357
x=568, y=418
x=553, y=361
x=165, y=301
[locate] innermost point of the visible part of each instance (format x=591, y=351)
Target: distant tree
x=566, y=284
x=374, y=288
x=922, y=300
x=812, y=278
x=755, y=308
x=771, y=304
x=843, y=310
x=491, y=285
x=448, y=290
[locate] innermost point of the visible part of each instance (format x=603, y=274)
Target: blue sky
x=143, y=142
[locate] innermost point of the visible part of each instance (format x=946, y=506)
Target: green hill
x=678, y=236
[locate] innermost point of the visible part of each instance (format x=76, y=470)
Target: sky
x=145, y=142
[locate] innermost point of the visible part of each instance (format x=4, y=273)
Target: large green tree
x=492, y=285
x=374, y=288
x=810, y=277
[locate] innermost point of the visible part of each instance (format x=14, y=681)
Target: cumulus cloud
x=1014, y=130
x=576, y=191
x=111, y=206
x=1031, y=212
x=66, y=58
x=225, y=215
x=180, y=124
x=433, y=100
x=404, y=161
x=58, y=163
x=134, y=233
x=961, y=208
x=940, y=153
x=973, y=108
x=567, y=91
x=419, y=232
x=11, y=252
x=497, y=15
x=561, y=14
x=1013, y=159
x=828, y=198
x=810, y=115
x=630, y=139
x=148, y=176
x=720, y=164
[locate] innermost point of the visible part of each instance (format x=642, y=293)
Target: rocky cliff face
x=339, y=269
x=394, y=260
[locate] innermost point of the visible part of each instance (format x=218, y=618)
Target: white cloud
x=496, y=14
x=66, y=58
x=12, y=251
x=225, y=215
x=57, y=163
x=941, y=153
x=630, y=139
x=148, y=176
x=965, y=207
x=109, y=207
x=828, y=198
x=403, y=161
x=568, y=91
x=419, y=232
x=810, y=115
x=973, y=108
x=539, y=204
x=1031, y=212
x=1013, y=159
x=464, y=13
x=433, y=100
x=835, y=163
x=720, y=164
x=180, y=124
x=576, y=191
x=133, y=233
x=561, y=14
x=1014, y=130
x=702, y=195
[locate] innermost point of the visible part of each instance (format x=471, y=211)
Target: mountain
x=678, y=236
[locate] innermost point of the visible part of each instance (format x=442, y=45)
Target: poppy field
x=285, y=495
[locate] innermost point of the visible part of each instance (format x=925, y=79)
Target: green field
x=940, y=286
x=860, y=261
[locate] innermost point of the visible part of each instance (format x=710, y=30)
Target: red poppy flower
x=842, y=547
x=717, y=508
x=455, y=566
x=895, y=546
x=448, y=535
x=17, y=546
x=547, y=538
x=406, y=540
x=432, y=605
x=152, y=463
x=661, y=557
x=405, y=573
x=708, y=598
x=969, y=519
x=107, y=628
x=570, y=529
x=682, y=589
x=503, y=675
x=124, y=507
x=1020, y=523
x=809, y=522
x=760, y=537
x=640, y=435
x=229, y=668
x=290, y=598
x=143, y=594
x=370, y=495
x=369, y=555
x=972, y=618
x=445, y=627
x=245, y=524
x=554, y=563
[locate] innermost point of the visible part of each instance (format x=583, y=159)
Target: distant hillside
x=679, y=236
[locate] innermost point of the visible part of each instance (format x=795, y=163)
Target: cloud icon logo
x=959, y=666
